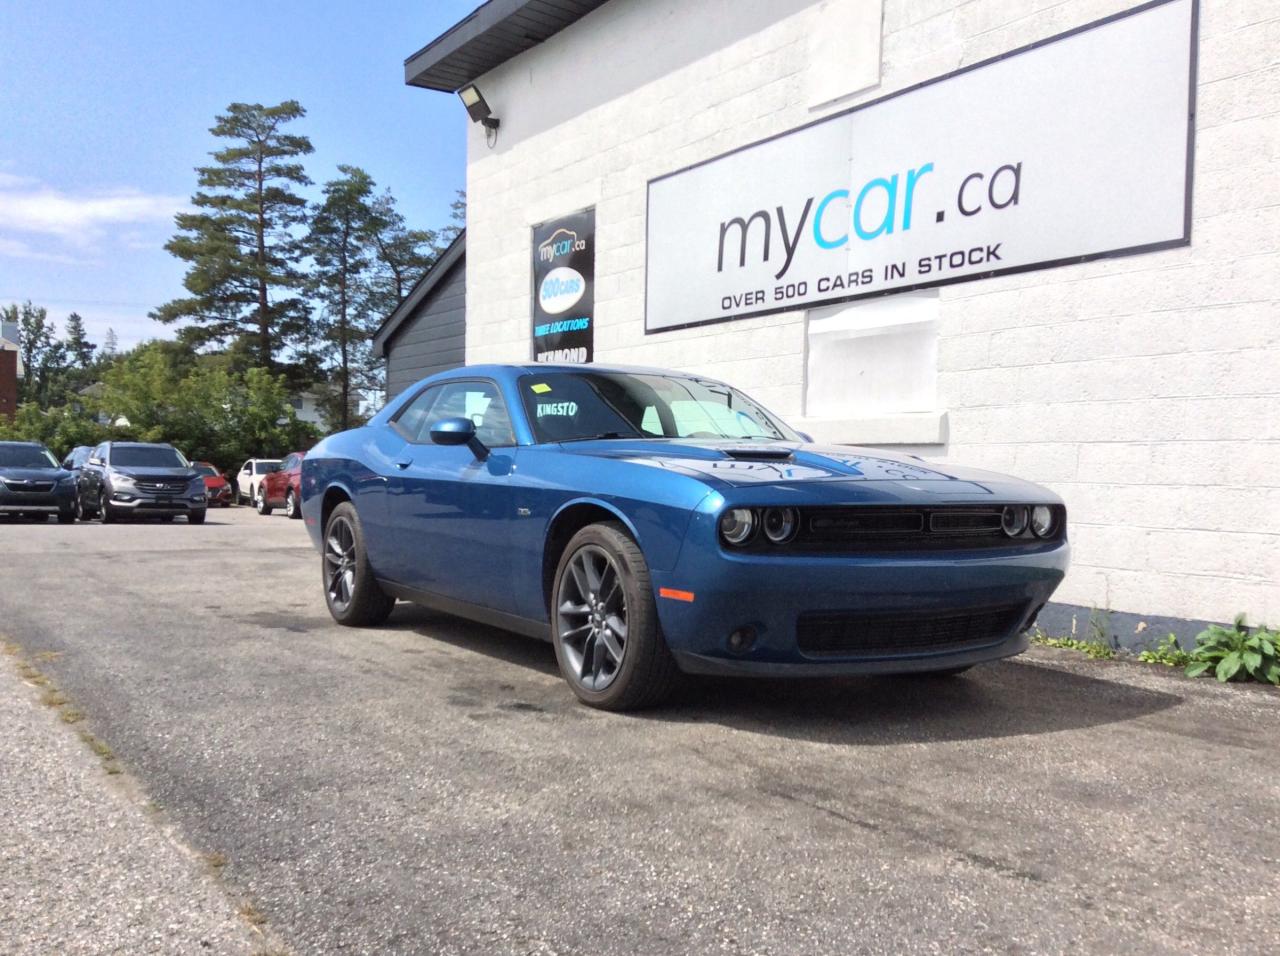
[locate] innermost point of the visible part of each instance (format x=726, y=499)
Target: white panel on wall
x=844, y=50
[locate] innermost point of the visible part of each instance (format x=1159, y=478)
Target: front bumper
x=50, y=502
x=875, y=614
x=146, y=503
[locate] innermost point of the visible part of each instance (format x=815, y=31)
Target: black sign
x=564, y=294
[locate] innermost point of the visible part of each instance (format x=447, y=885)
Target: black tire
x=196, y=517
x=105, y=514
x=291, y=507
x=66, y=517
x=260, y=503
x=367, y=604
x=647, y=673
x=166, y=519
x=83, y=513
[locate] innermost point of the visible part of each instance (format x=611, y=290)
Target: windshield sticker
x=540, y=389
x=568, y=409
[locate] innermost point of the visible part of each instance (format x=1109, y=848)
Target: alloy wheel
x=591, y=617
x=340, y=563
x=290, y=504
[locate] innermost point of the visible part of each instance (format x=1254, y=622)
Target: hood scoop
x=758, y=453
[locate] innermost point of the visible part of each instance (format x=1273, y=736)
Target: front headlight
x=737, y=525
x=122, y=481
x=1014, y=520
x=1042, y=521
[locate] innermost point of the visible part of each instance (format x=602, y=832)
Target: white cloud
x=79, y=218
x=16, y=249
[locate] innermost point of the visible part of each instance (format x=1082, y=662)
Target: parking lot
x=432, y=786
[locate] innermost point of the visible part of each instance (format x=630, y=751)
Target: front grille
x=851, y=634
x=873, y=528
x=30, y=487
x=161, y=486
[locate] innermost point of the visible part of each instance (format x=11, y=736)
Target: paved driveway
x=431, y=786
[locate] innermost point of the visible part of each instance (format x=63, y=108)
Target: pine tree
x=245, y=256
x=404, y=254
x=79, y=349
x=343, y=244
x=110, y=344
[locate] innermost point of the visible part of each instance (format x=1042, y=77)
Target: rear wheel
x=350, y=589
x=605, y=623
x=291, y=505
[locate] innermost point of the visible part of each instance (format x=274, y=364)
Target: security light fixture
x=477, y=108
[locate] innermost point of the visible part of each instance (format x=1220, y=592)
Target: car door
x=89, y=480
x=277, y=482
x=244, y=478
x=448, y=511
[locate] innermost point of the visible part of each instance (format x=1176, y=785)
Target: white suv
x=250, y=475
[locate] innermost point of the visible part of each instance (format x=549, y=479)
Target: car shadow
x=1004, y=699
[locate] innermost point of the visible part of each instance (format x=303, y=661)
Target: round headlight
x=780, y=524
x=1042, y=521
x=737, y=525
x=1014, y=520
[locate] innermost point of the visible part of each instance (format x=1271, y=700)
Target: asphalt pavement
x=431, y=786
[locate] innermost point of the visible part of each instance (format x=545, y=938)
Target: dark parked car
x=216, y=485
x=33, y=484
x=77, y=457
x=281, y=487
x=648, y=521
x=133, y=478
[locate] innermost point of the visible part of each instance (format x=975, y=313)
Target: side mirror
x=806, y=436
x=96, y=461
x=459, y=431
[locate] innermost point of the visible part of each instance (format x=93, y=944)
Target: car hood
x=739, y=463
x=145, y=473
x=34, y=474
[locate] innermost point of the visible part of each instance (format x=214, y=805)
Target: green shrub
x=1167, y=652
x=1236, y=653
x=1097, y=650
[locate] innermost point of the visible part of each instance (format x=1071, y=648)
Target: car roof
x=37, y=444
x=533, y=368
x=139, y=444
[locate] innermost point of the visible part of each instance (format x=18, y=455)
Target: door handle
x=403, y=463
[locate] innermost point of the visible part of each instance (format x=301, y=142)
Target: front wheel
x=81, y=511
x=291, y=505
x=196, y=517
x=67, y=517
x=105, y=514
x=604, y=622
x=350, y=589
x=261, y=503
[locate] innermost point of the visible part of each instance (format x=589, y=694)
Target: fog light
x=780, y=524
x=1014, y=520
x=742, y=640
x=737, y=525
x=1042, y=521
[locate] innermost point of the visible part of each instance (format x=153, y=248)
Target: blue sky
x=105, y=110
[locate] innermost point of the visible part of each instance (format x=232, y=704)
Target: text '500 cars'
x=649, y=522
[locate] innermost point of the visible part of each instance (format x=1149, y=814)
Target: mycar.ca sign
x=564, y=275
x=1070, y=149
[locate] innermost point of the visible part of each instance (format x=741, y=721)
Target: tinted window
x=481, y=402
x=26, y=456
x=207, y=470
x=263, y=467
x=564, y=406
x=146, y=456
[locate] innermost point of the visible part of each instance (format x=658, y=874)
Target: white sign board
x=1071, y=149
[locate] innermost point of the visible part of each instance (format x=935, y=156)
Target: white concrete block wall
x=1145, y=390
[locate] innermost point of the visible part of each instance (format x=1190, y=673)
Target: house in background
x=427, y=331
x=9, y=370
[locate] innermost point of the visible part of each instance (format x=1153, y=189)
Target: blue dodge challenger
x=648, y=522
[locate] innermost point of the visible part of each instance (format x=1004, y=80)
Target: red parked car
x=216, y=485
x=282, y=487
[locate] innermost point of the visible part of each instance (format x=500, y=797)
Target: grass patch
x=51, y=698
x=46, y=656
x=1167, y=652
x=70, y=715
x=251, y=914
x=1094, y=650
x=216, y=860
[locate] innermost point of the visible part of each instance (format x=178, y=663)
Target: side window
x=481, y=402
x=410, y=420
x=290, y=463
x=100, y=452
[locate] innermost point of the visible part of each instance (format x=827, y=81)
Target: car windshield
x=146, y=456
x=570, y=406
x=26, y=456
x=263, y=467
x=207, y=470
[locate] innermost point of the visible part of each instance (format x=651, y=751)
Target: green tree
x=241, y=242
x=42, y=354
x=343, y=246
x=403, y=254
x=79, y=349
